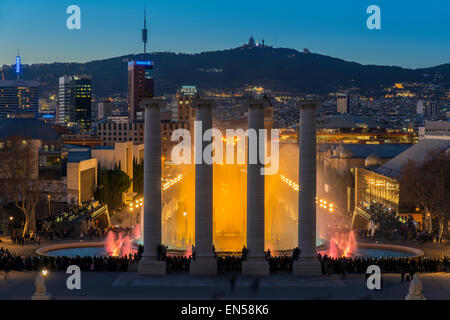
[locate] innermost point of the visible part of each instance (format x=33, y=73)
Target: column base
x=203, y=267
x=415, y=297
x=307, y=266
x=41, y=297
x=255, y=268
x=148, y=266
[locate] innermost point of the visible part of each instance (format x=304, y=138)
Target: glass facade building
x=372, y=187
x=75, y=102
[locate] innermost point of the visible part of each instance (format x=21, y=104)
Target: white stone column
x=256, y=263
x=149, y=263
x=308, y=263
x=204, y=263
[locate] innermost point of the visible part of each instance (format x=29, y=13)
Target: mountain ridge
x=278, y=69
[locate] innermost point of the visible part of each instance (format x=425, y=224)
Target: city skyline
x=411, y=35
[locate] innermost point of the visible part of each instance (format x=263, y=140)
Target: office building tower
x=432, y=110
x=104, y=109
x=343, y=103
x=18, y=96
x=185, y=95
x=75, y=101
x=140, y=85
x=419, y=107
x=65, y=98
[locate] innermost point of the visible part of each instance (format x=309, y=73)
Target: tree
x=138, y=176
x=426, y=186
x=20, y=177
x=111, y=185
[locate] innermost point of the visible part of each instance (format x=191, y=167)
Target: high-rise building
x=75, y=101
x=432, y=110
x=104, y=109
x=65, y=97
x=185, y=95
x=140, y=85
x=419, y=107
x=18, y=96
x=343, y=103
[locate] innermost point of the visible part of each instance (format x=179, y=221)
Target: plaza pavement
x=129, y=285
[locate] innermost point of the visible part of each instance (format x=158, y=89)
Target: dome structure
x=372, y=161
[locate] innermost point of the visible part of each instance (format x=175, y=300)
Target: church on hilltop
x=252, y=43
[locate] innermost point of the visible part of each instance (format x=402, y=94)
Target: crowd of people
x=178, y=263
x=229, y=263
x=387, y=265
x=10, y=261
x=387, y=224
x=18, y=238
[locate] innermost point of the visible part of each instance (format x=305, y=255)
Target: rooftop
x=18, y=83
x=383, y=151
x=417, y=152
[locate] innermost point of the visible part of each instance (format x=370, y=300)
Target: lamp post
x=49, y=209
x=186, y=225
x=131, y=216
x=41, y=289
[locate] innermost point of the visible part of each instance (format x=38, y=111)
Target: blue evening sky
x=414, y=33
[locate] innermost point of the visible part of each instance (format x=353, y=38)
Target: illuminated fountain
x=281, y=200
x=230, y=206
x=120, y=245
x=342, y=245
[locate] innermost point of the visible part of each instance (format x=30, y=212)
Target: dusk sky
x=414, y=33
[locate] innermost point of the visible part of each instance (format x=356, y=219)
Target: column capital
x=308, y=104
x=203, y=103
x=152, y=103
x=263, y=103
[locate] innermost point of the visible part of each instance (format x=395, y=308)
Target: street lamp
x=41, y=289
x=186, y=225
x=49, y=209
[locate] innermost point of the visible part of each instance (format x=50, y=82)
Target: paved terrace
x=129, y=285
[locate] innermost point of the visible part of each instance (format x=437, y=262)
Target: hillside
x=278, y=69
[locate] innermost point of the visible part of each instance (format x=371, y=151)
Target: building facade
x=140, y=85
x=18, y=96
x=111, y=132
x=75, y=102
x=343, y=103
x=104, y=109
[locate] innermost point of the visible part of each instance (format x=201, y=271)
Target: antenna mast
x=144, y=32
